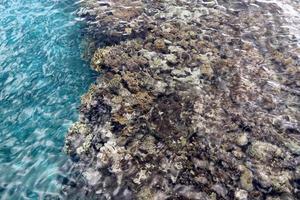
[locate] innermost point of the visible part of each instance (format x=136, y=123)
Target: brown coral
x=191, y=112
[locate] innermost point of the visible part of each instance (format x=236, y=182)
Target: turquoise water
x=41, y=79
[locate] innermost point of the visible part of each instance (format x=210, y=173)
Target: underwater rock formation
x=203, y=105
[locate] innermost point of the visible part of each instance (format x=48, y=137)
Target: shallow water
x=215, y=72
x=41, y=79
x=291, y=13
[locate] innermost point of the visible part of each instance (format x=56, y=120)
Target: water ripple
x=41, y=79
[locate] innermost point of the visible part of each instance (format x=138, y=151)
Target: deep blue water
x=41, y=79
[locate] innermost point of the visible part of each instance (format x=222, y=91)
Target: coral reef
x=203, y=105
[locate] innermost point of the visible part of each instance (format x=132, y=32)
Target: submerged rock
x=186, y=109
x=241, y=195
x=265, y=151
x=246, y=179
x=242, y=139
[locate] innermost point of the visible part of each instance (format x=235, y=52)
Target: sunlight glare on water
x=291, y=13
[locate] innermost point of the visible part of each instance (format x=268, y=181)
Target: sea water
x=41, y=79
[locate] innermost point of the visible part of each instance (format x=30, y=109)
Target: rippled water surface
x=41, y=79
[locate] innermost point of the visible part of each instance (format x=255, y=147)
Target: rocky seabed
x=194, y=100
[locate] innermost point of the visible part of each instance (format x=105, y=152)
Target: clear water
x=41, y=79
